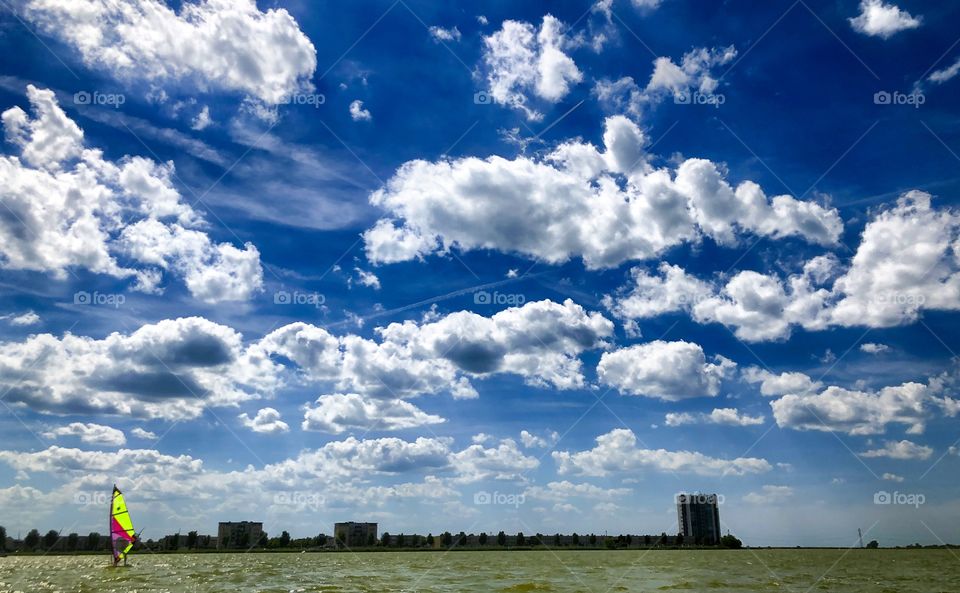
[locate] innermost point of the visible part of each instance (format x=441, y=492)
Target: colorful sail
x=122, y=534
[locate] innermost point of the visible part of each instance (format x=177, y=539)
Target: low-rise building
x=354, y=535
x=238, y=534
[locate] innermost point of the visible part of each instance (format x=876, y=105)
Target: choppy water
x=873, y=571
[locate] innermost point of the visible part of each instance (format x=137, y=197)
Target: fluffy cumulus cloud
x=92, y=434
x=907, y=262
x=504, y=461
x=71, y=208
x=266, y=421
x=564, y=490
x=879, y=19
x=358, y=113
x=211, y=44
x=694, y=74
x=874, y=348
x=173, y=368
x=772, y=384
x=617, y=452
x=539, y=341
x=860, y=412
x=900, y=450
x=723, y=416
x=339, y=412
x=606, y=206
x=670, y=371
x=522, y=62
x=531, y=440
x=170, y=369
x=441, y=34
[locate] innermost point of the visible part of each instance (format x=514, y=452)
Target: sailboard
x=122, y=535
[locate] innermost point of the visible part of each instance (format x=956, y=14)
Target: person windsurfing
x=122, y=535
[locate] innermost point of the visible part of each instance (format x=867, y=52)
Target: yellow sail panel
x=122, y=534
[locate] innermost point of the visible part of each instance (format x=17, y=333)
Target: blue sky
x=321, y=261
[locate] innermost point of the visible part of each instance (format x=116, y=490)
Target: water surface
x=802, y=571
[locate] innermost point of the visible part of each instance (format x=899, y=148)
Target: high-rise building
x=238, y=534
x=699, y=518
x=354, y=535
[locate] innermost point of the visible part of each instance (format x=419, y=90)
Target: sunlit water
x=873, y=571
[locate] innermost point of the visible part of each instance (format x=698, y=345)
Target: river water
x=801, y=571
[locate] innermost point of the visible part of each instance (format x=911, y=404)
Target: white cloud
x=210, y=44
x=782, y=384
x=606, y=207
x=142, y=433
x=891, y=477
x=900, y=450
x=873, y=348
x=617, y=452
x=503, y=462
x=651, y=296
x=92, y=434
x=945, y=74
x=879, y=19
x=202, y=121
x=71, y=208
x=665, y=370
x=441, y=34
x=267, y=421
x=340, y=412
x=856, y=412
x=367, y=278
x=358, y=113
x=564, y=490
x=23, y=319
x=531, y=440
x=170, y=369
x=692, y=74
x=724, y=416
x=769, y=495
x=521, y=62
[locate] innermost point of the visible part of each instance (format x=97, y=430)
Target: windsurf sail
x=122, y=534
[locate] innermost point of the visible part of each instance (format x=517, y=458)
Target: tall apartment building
x=354, y=535
x=699, y=518
x=238, y=534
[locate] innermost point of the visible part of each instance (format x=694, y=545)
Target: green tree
x=575, y=539
x=284, y=539
x=430, y=540
x=537, y=540
x=417, y=541
x=32, y=540
x=873, y=545
x=191, y=539
x=593, y=539
x=93, y=541
x=502, y=539
x=483, y=539
x=679, y=539
x=461, y=539
x=521, y=541
x=731, y=542
x=3, y=539
x=50, y=539
x=646, y=540
x=556, y=540
x=72, y=540
x=446, y=539
x=400, y=540
x=629, y=540
x=385, y=539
